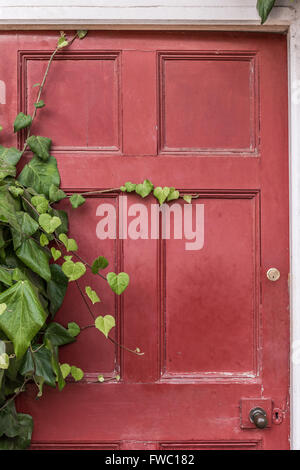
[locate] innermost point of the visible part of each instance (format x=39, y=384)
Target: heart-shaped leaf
x=173, y=194
x=48, y=223
x=161, y=194
x=187, y=198
x=72, y=270
x=73, y=329
x=44, y=240
x=105, y=324
x=56, y=194
x=39, y=104
x=55, y=253
x=77, y=200
x=92, y=295
x=40, y=146
x=76, y=373
x=40, y=203
x=128, y=187
x=81, y=33
x=69, y=243
x=65, y=369
x=22, y=121
x=62, y=41
x=99, y=263
x=143, y=189
x=118, y=282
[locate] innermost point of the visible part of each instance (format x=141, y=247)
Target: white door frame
x=195, y=14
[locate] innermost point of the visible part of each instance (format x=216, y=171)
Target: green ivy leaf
x=128, y=187
x=264, y=7
x=72, y=270
x=62, y=41
x=10, y=155
x=2, y=308
x=6, y=169
x=99, y=263
x=173, y=194
x=22, y=120
x=24, y=431
x=73, y=329
x=44, y=240
x=40, y=146
x=56, y=254
x=40, y=203
x=48, y=223
x=105, y=324
x=63, y=228
x=76, y=373
x=39, y=363
x=23, y=317
x=35, y=258
x=81, y=33
x=5, y=277
x=40, y=175
x=65, y=369
x=4, y=361
x=16, y=192
x=69, y=243
x=8, y=207
x=77, y=200
x=92, y=295
x=56, y=194
x=58, y=335
x=56, y=288
x=144, y=189
x=28, y=226
x=39, y=104
x=55, y=364
x=187, y=198
x=161, y=194
x=118, y=282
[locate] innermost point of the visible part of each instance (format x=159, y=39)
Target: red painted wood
x=204, y=112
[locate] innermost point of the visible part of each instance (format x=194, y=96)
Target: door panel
x=205, y=113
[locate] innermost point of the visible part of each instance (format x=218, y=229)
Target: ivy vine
x=37, y=262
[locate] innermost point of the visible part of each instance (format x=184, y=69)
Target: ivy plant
x=264, y=8
x=38, y=260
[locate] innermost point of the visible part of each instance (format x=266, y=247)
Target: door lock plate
x=248, y=404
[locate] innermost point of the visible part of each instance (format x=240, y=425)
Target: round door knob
x=258, y=416
x=273, y=274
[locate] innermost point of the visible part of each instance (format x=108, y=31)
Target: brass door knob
x=258, y=416
x=273, y=274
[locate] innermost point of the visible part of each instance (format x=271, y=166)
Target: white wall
x=128, y=12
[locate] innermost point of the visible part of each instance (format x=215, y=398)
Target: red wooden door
x=205, y=113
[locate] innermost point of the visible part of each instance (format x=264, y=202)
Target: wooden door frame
x=217, y=15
